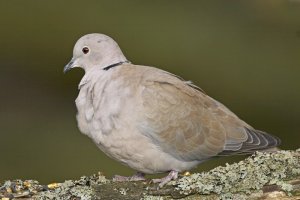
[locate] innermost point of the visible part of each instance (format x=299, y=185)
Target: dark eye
x=85, y=50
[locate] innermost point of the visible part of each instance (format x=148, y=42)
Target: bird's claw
x=173, y=175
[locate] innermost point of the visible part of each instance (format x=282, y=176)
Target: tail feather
x=257, y=141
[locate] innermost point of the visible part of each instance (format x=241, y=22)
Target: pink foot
x=173, y=175
x=137, y=177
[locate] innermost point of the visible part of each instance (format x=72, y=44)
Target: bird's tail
x=257, y=141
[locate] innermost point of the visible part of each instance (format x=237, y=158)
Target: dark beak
x=69, y=66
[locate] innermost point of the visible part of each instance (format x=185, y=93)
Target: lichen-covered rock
x=246, y=176
x=264, y=175
x=70, y=189
x=78, y=189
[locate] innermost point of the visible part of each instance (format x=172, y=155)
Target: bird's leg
x=139, y=176
x=173, y=175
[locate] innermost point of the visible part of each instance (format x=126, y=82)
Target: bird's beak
x=69, y=66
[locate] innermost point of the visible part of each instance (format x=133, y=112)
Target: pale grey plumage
x=150, y=119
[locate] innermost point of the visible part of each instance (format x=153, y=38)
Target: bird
x=152, y=120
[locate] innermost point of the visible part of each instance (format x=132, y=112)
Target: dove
x=151, y=120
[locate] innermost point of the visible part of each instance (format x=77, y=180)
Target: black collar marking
x=114, y=65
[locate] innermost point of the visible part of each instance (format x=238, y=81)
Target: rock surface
x=260, y=176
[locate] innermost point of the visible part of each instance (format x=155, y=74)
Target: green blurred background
x=245, y=54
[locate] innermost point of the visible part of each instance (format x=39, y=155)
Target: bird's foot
x=173, y=175
x=137, y=177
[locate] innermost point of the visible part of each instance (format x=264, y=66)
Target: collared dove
x=151, y=120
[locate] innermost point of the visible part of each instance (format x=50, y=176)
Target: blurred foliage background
x=245, y=54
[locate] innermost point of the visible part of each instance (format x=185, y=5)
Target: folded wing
x=188, y=124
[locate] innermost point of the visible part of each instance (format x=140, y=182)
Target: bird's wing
x=185, y=122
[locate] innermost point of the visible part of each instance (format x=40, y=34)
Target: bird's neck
x=90, y=75
x=111, y=58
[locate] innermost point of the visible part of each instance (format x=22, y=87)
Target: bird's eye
x=85, y=50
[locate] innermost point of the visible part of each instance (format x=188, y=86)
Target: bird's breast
x=101, y=105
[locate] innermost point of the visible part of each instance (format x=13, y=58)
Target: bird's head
x=95, y=50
